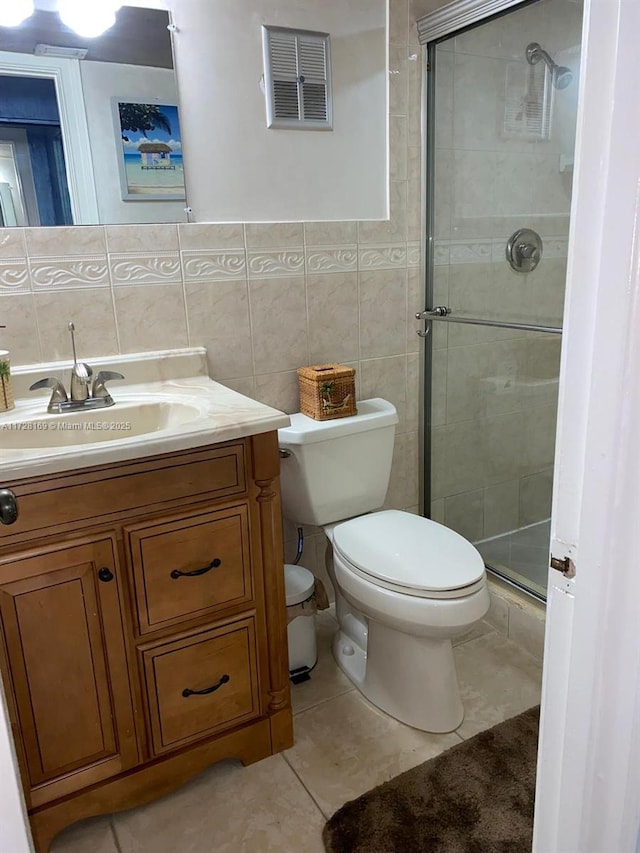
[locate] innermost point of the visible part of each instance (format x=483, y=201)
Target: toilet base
x=408, y=677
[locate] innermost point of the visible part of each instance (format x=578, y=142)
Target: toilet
x=405, y=585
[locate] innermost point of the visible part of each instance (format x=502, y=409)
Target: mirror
x=89, y=128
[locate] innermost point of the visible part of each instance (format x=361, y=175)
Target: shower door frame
x=437, y=26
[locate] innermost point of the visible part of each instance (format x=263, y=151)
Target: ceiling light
x=88, y=19
x=14, y=13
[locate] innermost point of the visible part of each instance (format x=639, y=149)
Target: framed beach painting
x=150, y=150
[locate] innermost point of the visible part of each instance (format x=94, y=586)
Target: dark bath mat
x=476, y=797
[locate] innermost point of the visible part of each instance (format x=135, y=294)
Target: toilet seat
x=409, y=554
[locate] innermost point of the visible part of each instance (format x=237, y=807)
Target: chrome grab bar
x=442, y=312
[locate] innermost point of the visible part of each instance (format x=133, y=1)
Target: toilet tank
x=339, y=468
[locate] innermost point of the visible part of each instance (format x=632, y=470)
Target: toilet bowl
x=395, y=632
x=405, y=585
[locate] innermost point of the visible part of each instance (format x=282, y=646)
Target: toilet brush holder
x=6, y=390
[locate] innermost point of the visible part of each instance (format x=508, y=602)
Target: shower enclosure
x=501, y=103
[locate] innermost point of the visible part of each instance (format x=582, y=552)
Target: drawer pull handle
x=176, y=573
x=186, y=692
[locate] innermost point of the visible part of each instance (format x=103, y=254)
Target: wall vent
x=297, y=73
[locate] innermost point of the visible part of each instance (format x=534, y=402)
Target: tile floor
x=344, y=746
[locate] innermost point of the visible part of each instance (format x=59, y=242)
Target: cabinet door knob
x=8, y=507
x=105, y=575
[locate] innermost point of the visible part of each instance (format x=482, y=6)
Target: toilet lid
x=409, y=551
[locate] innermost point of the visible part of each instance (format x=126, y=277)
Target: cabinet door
x=65, y=670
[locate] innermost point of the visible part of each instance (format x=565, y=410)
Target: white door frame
x=65, y=74
x=588, y=791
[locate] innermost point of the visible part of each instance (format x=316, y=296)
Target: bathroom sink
x=122, y=421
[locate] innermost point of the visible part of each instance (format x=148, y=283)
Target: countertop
x=166, y=377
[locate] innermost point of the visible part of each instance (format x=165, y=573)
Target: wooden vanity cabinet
x=143, y=627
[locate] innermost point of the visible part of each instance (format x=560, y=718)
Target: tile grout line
x=114, y=833
x=323, y=701
x=295, y=773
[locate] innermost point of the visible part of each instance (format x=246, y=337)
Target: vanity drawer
x=201, y=683
x=72, y=500
x=190, y=566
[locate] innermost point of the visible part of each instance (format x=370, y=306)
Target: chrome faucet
x=83, y=396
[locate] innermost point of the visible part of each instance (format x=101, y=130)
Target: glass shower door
x=502, y=101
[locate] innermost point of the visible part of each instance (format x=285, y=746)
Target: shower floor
x=521, y=556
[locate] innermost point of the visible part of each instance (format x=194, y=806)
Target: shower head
x=560, y=75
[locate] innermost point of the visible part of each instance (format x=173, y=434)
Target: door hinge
x=566, y=566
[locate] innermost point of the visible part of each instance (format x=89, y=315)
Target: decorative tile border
x=62, y=273
x=470, y=252
x=413, y=254
x=14, y=275
x=213, y=266
x=157, y=268
x=285, y=262
x=383, y=257
x=332, y=259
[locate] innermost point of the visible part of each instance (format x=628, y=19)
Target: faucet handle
x=58, y=396
x=99, y=387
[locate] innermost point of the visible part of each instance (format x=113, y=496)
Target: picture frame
x=149, y=145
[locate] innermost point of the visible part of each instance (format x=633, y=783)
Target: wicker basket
x=327, y=391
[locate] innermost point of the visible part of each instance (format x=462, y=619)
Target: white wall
x=236, y=168
x=100, y=82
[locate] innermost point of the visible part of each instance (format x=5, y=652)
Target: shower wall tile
x=439, y=391
x=416, y=303
x=474, y=191
x=437, y=511
x=444, y=111
x=464, y=513
x=501, y=508
x=414, y=391
x=535, y=497
x=477, y=82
